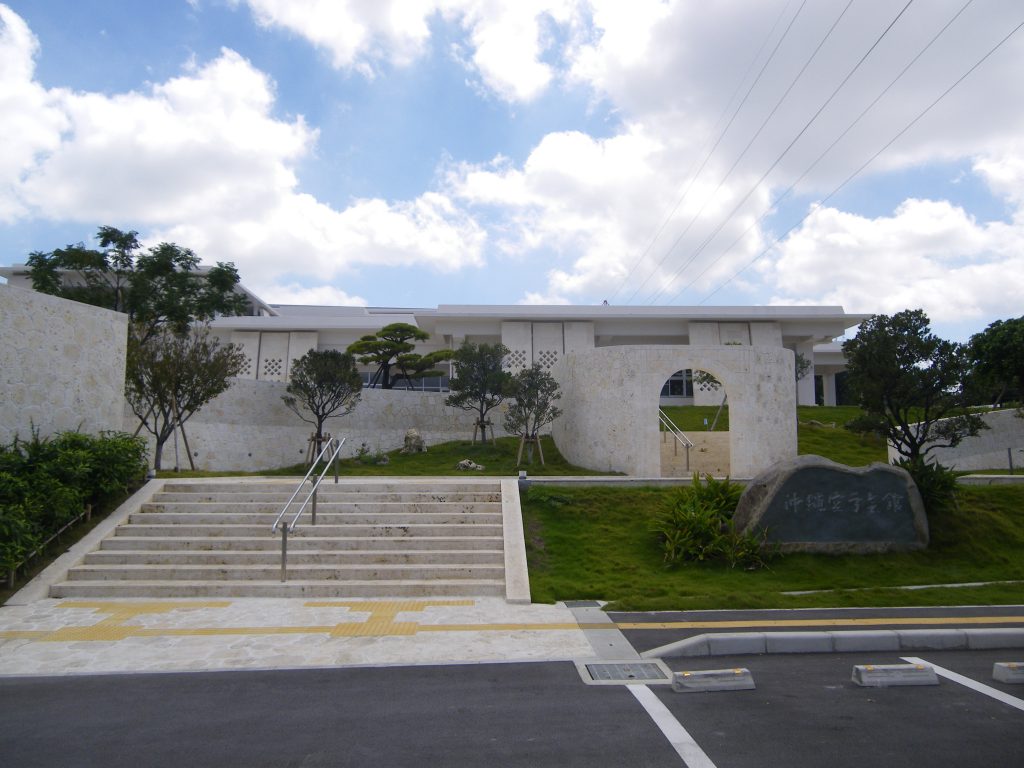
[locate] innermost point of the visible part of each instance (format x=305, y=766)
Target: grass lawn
x=596, y=543
x=439, y=460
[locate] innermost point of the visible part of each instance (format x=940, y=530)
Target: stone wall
x=611, y=394
x=988, y=449
x=249, y=428
x=61, y=365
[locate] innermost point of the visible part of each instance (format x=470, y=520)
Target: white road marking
x=974, y=685
x=677, y=736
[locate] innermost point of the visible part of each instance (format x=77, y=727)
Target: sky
x=410, y=153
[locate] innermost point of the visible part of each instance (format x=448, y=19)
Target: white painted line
x=677, y=736
x=974, y=685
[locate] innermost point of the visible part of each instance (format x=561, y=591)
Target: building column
x=805, y=386
x=828, y=385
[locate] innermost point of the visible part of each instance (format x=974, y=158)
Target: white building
x=545, y=334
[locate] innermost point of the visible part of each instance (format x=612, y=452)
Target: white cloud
x=505, y=43
x=928, y=254
x=318, y=295
x=32, y=121
x=202, y=160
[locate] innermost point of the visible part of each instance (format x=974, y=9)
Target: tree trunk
x=158, y=454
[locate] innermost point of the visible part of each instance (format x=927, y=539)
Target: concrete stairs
x=386, y=537
x=708, y=456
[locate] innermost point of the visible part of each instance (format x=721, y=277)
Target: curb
x=740, y=643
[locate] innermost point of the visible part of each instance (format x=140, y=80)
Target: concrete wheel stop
x=888, y=675
x=736, y=679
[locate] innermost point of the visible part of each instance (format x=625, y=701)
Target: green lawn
x=440, y=460
x=819, y=431
x=597, y=543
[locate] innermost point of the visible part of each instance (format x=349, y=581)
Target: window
x=680, y=384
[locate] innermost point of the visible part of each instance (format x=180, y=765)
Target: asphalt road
x=804, y=712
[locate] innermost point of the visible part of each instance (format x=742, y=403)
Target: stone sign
x=811, y=504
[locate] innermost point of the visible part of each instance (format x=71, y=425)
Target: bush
x=698, y=527
x=936, y=484
x=46, y=483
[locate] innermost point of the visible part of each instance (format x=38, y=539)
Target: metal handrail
x=285, y=527
x=678, y=434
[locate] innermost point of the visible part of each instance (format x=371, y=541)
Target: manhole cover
x=626, y=673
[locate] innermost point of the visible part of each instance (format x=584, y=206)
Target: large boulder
x=811, y=504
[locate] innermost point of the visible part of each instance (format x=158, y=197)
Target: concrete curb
x=517, y=575
x=57, y=571
x=893, y=640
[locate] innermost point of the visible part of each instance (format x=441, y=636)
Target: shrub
x=698, y=527
x=936, y=484
x=45, y=483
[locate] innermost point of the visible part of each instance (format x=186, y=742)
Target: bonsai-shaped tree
x=480, y=383
x=323, y=384
x=535, y=392
x=392, y=347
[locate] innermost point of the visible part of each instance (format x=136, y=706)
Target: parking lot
x=804, y=711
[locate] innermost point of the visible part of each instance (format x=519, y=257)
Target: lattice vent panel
x=547, y=357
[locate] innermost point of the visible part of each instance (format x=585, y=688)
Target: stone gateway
x=811, y=504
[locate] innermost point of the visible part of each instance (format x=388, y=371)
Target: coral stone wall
x=249, y=428
x=611, y=395
x=61, y=365
x=986, y=451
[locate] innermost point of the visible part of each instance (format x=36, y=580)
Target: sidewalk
x=55, y=637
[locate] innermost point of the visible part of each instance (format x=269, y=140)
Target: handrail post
x=314, y=505
x=284, y=552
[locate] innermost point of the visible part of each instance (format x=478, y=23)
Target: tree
x=392, y=346
x=170, y=376
x=323, y=384
x=998, y=357
x=535, y=392
x=909, y=383
x=480, y=383
x=161, y=287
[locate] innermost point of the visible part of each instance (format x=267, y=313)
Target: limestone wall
x=988, y=449
x=611, y=394
x=61, y=365
x=249, y=428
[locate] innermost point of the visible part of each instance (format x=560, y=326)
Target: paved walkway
x=86, y=636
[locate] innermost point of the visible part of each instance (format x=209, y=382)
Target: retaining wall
x=61, y=365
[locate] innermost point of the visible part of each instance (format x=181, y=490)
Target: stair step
x=323, y=517
x=269, y=542
x=325, y=494
x=268, y=572
x=381, y=588
x=325, y=507
x=288, y=485
x=108, y=557
x=307, y=531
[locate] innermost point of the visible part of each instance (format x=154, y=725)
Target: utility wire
x=870, y=160
x=750, y=143
x=784, y=152
x=827, y=150
x=707, y=157
x=721, y=134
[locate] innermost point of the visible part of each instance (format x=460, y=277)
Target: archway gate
x=610, y=404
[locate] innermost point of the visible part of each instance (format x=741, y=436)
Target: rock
x=469, y=464
x=413, y=442
x=811, y=504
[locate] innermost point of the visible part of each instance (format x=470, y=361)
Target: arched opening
x=693, y=416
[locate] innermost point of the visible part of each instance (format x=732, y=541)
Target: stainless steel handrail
x=678, y=434
x=333, y=445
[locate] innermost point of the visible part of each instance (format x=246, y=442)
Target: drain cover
x=627, y=672
x=582, y=604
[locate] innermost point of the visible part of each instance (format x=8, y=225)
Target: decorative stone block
x=811, y=504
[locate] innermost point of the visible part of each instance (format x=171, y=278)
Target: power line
x=750, y=143
x=725, y=110
x=791, y=144
x=828, y=149
x=870, y=160
x=707, y=157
